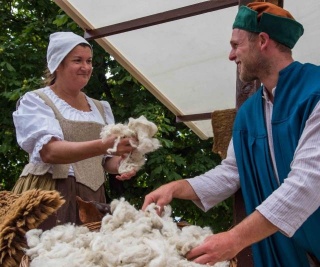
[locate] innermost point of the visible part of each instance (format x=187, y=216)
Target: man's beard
x=251, y=67
x=246, y=76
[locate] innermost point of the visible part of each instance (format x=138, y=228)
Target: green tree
x=26, y=26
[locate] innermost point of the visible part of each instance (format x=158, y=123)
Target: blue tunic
x=297, y=93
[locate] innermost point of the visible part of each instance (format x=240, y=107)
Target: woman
x=59, y=126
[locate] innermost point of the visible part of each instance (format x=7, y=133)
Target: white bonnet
x=60, y=44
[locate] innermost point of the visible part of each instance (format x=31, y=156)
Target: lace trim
x=65, y=108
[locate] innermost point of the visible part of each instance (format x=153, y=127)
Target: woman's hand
x=112, y=166
x=119, y=145
x=126, y=175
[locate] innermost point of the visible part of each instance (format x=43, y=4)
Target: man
x=274, y=153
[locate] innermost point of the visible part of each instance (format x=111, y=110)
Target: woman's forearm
x=64, y=152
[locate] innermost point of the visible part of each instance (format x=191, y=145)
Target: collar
x=266, y=94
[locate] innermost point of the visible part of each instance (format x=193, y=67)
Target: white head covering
x=60, y=44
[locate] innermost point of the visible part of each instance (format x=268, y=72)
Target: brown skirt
x=68, y=189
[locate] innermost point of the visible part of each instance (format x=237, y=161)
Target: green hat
x=269, y=18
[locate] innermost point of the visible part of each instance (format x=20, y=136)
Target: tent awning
x=182, y=62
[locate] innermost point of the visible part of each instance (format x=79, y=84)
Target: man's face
x=245, y=53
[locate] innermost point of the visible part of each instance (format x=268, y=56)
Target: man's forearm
x=181, y=189
x=252, y=229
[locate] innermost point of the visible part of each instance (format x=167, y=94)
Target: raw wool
x=129, y=237
x=143, y=130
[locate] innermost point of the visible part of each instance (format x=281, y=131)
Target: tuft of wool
x=140, y=128
x=127, y=237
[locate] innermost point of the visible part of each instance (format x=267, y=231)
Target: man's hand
x=215, y=248
x=180, y=189
x=226, y=245
x=161, y=197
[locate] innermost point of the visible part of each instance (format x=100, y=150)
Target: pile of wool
x=127, y=237
x=140, y=128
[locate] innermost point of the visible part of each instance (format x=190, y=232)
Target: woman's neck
x=75, y=98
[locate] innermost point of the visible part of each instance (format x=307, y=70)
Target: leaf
x=61, y=20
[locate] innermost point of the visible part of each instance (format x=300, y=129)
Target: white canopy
x=184, y=62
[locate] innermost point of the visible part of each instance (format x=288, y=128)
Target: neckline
x=65, y=103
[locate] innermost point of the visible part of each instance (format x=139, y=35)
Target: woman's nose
x=86, y=66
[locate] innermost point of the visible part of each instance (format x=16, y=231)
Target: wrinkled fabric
x=60, y=44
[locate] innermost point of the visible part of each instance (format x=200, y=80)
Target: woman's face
x=76, y=67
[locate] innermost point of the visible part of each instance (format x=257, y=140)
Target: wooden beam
x=159, y=18
x=194, y=117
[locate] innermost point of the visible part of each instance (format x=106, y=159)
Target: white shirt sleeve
x=298, y=196
x=108, y=112
x=36, y=124
x=217, y=184
x=293, y=202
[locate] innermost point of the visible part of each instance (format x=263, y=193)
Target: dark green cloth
x=284, y=30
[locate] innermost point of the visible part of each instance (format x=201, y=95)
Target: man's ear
x=264, y=40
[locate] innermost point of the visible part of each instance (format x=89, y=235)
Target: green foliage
x=26, y=26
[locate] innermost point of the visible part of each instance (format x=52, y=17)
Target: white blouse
x=36, y=124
